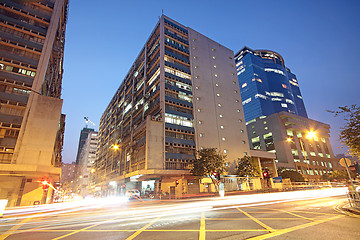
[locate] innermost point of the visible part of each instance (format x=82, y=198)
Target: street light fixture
x=115, y=147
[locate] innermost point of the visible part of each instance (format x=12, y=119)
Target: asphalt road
x=259, y=216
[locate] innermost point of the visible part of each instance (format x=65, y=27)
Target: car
x=133, y=193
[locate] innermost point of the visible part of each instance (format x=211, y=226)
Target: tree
x=350, y=133
x=208, y=162
x=337, y=175
x=292, y=174
x=248, y=167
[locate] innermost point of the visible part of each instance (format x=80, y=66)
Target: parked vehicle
x=132, y=194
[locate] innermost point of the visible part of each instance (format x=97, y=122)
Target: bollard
x=3, y=203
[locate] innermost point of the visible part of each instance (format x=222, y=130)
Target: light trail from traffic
x=181, y=206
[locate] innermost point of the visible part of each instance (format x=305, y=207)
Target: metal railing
x=354, y=199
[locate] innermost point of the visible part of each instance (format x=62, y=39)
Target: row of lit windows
x=178, y=120
x=17, y=70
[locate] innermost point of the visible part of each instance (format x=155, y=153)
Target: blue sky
x=319, y=40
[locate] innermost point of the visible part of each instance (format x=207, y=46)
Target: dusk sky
x=319, y=41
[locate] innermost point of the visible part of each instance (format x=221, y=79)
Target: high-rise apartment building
x=267, y=85
x=180, y=95
x=32, y=35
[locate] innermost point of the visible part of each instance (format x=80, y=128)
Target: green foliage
x=292, y=174
x=337, y=175
x=208, y=162
x=248, y=167
x=350, y=133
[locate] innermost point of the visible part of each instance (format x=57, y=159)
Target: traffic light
x=176, y=183
x=217, y=176
x=45, y=184
x=266, y=174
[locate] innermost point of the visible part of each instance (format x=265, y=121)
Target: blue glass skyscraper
x=266, y=85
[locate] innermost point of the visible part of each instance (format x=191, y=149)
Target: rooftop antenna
x=88, y=121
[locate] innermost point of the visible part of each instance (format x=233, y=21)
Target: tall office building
x=275, y=113
x=86, y=163
x=85, y=132
x=181, y=94
x=266, y=85
x=32, y=35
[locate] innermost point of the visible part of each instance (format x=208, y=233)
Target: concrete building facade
x=285, y=134
x=31, y=124
x=180, y=95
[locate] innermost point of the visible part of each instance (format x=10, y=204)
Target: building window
x=219, y=105
x=241, y=131
x=223, y=139
x=200, y=122
x=222, y=127
x=199, y=110
x=216, y=84
x=201, y=135
x=214, y=66
x=218, y=94
x=221, y=115
x=238, y=110
x=197, y=98
x=215, y=75
x=243, y=142
x=226, y=151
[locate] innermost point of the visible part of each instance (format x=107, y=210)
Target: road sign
x=345, y=161
x=277, y=179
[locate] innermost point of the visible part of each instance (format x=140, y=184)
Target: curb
x=351, y=209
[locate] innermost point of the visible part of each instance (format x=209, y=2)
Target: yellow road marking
x=296, y=215
x=257, y=221
x=202, y=227
x=14, y=228
x=338, y=209
x=291, y=229
x=319, y=213
x=235, y=219
x=291, y=213
x=142, y=229
x=159, y=230
x=80, y=230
